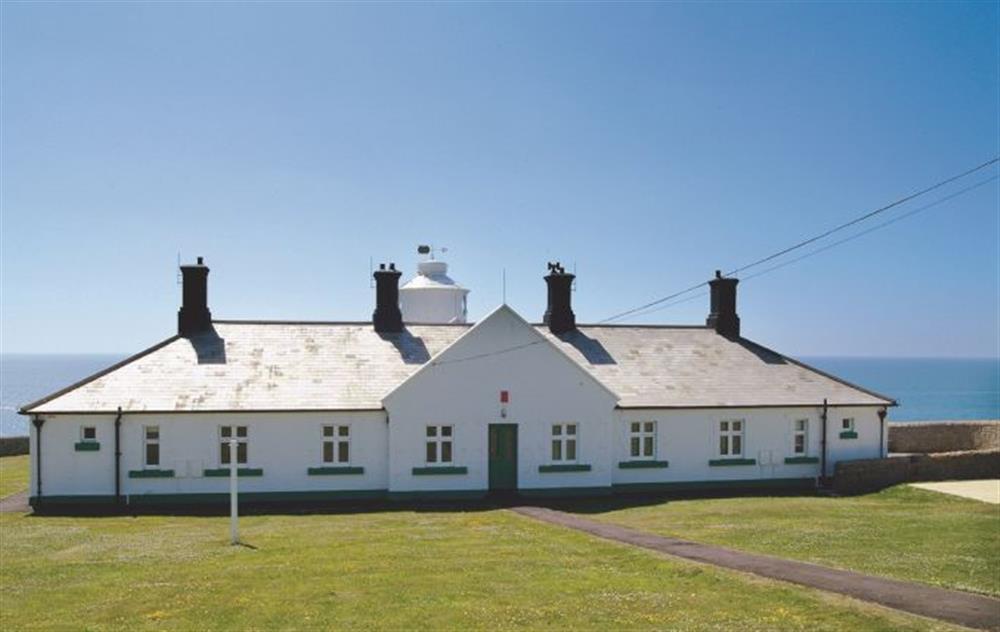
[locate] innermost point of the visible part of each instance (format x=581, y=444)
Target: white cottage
x=326, y=411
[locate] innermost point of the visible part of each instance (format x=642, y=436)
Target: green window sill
x=564, y=467
x=639, y=465
x=87, y=446
x=150, y=473
x=797, y=460
x=849, y=434
x=240, y=471
x=440, y=469
x=335, y=471
x=723, y=462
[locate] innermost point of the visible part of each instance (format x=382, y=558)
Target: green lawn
x=388, y=570
x=901, y=532
x=13, y=474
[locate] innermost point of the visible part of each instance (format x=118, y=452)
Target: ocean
x=926, y=388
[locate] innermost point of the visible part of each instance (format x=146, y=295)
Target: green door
x=503, y=457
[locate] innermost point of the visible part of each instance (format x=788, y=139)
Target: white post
x=234, y=520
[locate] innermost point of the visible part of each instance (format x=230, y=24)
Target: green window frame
x=642, y=440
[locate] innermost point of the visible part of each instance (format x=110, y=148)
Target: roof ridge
x=240, y=321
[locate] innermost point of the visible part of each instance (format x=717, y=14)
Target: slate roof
x=259, y=366
x=694, y=367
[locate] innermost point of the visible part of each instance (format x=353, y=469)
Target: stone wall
x=867, y=475
x=943, y=436
x=11, y=446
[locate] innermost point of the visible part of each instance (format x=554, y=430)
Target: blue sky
x=646, y=144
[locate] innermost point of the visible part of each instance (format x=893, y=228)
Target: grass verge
x=902, y=532
x=388, y=570
x=13, y=474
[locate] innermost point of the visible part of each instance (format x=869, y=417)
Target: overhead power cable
x=871, y=230
x=869, y=215
x=839, y=242
x=806, y=242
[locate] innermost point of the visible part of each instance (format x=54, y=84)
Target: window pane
x=241, y=431
x=570, y=449
x=446, y=451
x=241, y=453
x=153, y=432
x=724, y=445
x=328, y=451
x=432, y=431
x=571, y=429
x=737, y=444
x=343, y=454
x=724, y=426
x=90, y=432
x=800, y=444
x=635, y=426
x=647, y=446
x=737, y=426
x=225, y=431
x=344, y=431
x=800, y=424
x=327, y=431
x=556, y=450
x=556, y=430
x=445, y=431
x=635, y=446
x=152, y=454
x=649, y=426
x=847, y=424
x=224, y=453
x=432, y=452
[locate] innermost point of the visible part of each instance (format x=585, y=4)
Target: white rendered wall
x=688, y=440
x=465, y=395
x=284, y=445
x=66, y=471
x=463, y=390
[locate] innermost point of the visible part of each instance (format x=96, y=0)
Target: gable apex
x=522, y=336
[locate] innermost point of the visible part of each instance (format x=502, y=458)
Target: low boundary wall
x=12, y=446
x=868, y=475
x=943, y=436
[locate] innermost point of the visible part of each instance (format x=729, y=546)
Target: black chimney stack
x=193, y=316
x=559, y=312
x=723, y=306
x=387, y=317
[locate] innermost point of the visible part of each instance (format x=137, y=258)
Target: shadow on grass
x=577, y=505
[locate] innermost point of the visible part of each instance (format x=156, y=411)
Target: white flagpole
x=234, y=521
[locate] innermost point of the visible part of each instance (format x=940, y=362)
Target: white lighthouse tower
x=432, y=296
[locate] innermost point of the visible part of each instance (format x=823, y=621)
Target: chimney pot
x=194, y=316
x=722, y=315
x=387, y=317
x=559, y=314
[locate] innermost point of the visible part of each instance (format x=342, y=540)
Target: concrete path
x=968, y=609
x=987, y=490
x=15, y=503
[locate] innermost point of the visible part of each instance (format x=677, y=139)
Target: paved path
x=987, y=490
x=15, y=503
x=968, y=609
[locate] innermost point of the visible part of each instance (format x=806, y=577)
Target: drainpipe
x=38, y=421
x=881, y=433
x=823, y=416
x=118, y=458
